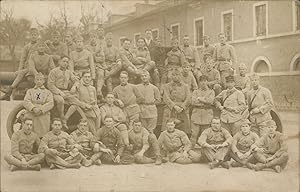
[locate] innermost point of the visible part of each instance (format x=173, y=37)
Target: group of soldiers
x=211, y=113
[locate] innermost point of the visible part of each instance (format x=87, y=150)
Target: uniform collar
x=177, y=83
x=186, y=45
x=42, y=87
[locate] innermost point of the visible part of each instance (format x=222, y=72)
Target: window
x=296, y=15
x=261, y=65
x=295, y=63
x=155, y=33
x=175, y=31
x=260, y=19
x=198, y=31
x=227, y=24
x=136, y=37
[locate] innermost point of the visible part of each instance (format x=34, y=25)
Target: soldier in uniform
x=208, y=49
x=38, y=102
x=242, y=146
x=130, y=97
x=40, y=61
x=126, y=56
x=175, y=145
x=86, y=94
x=151, y=97
x=202, y=104
x=225, y=57
x=260, y=103
x=175, y=59
x=112, y=61
x=84, y=143
x=59, y=148
x=188, y=77
x=177, y=97
x=150, y=44
x=110, y=137
x=81, y=59
x=111, y=109
x=191, y=56
x=22, y=144
x=242, y=82
x=23, y=65
x=271, y=150
x=144, y=146
x=215, y=142
x=101, y=36
x=57, y=48
x=213, y=76
x=70, y=43
x=232, y=105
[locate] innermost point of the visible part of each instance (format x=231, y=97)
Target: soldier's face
x=202, y=83
x=140, y=43
x=242, y=71
x=108, y=40
x=63, y=63
x=101, y=32
x=176, y=77
x=86, y=78
x=68, y=38
x=41, y=48
x=174, y=44
x=145, y=77
x=158, y=43
x=79, y=44
x=39, y=81
x=230, y=84
x=216, y=124
x=210, y=64
x=109, y=122
x=148, y=34
x=110, y=98
x=170, y=126
x=222, y=38
x=245, y=128
x=123, y=78
x=206, y=41
x=255, y=82
x=137, y=126
x=126, y=44
x=82, y=127
x=27, y=126
x=186, y=69
x=34, y=36
x=55, y=39
x=93, y=38
x=186, y=41
x=56, y=126
x=272, y=128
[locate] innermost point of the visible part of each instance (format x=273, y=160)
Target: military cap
x=254, y=76
x=69, y=33
x=109, y=34
x=270, y=123
x=55, y=33
x=93, y=34
x=242, y=66
x=41, y=43
x=202, y=78
x=39, y=75
x=229, y=78
x=33, y=29
x=78, y=38
x=176, y=72
x=206, y=37
x=245, y=121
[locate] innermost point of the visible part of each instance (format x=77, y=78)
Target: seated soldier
x=175, y=145
x=271, y=150
x=242, y=146
x=126, y=56
x=144, y=146
x=59, y=148
x=202, y=113
x=81, y=60
x=84, y=140
x=59, y=81
x=214, y=143
x=112, y=110
x=40, y=62
x=38, y=102
x=110, y=137
x=87, y=95
x=242, y=81
x=213, y=76
x=56, y=48
x=188, y=77
x=22, y=155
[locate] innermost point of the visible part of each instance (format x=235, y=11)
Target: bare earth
x=168, y=177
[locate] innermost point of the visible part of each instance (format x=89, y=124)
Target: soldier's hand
x=35, y=110
x=240, y=155
x=178, y=109
x=261, y=150
x=62, y=94
x=270, y=158
x=254, y=111
x=118, y=159
x=24, y=163
x=140, y=154
x=185, y=154
x=96, y=148
x=79, y=147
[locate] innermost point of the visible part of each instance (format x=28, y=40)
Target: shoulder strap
x=223, y=101
x=250, y=103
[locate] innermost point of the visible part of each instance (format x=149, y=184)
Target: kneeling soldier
x=22, y=143
x=214, y=143
x=271, y=150
x=144, y=145
x=59, y=148
x=175, y=145
x=242, y=145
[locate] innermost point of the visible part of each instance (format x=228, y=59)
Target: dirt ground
x=167, y=177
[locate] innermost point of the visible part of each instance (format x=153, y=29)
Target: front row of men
x=61, y=150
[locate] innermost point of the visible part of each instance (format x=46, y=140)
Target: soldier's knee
x=59, y=99
x=122, y=127
x=8, y=158
x=41, y=156
x=184, y=161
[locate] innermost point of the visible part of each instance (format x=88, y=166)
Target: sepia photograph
x=149, y=95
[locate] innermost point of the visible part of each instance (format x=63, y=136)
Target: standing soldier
x=101, y=35
x=260, y=103
x=149, y=41
x=202, y=114
x=23, y=65
x=213, y=76
x=57, y=48
x=175, y=59
x=208, y=49
x=215, y=142
x=176, y=97
x=127, y=57
x=130, y=96
x=99, y=61
x=191, y=56
x=175, y=145
x=151, y=97
x=40, y=62
x=232, y=105
x=271, y=150
x=225, y=57
x=70, y=43
x=188, y=77
x=81, y=59
x=22, y=144
x=38, y=102
x=112, y=61
x=242, y=82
